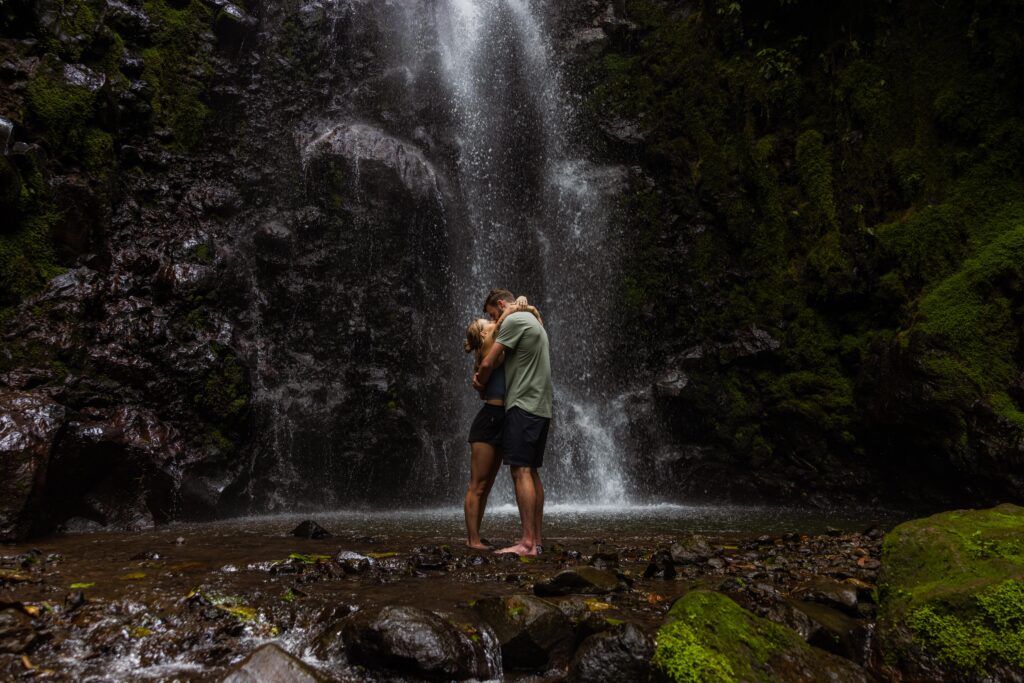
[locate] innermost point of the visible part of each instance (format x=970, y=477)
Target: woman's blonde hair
x=475, y=335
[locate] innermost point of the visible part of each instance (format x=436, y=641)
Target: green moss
x=681, y=657
x=973, y=314
x=203, y=254
x=956, y=580
x=177, y=67
x=63, y=112
x=308, y=559
x=815, y=167
x=98, y=152
x=708, y=637
x=76, y=24
x=995, y=631
x=225, y=393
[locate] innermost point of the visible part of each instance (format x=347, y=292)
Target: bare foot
x=478, y=546
x=518, y=549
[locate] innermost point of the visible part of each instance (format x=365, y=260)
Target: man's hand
x=479, y=386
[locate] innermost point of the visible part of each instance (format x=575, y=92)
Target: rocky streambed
x=279, y=601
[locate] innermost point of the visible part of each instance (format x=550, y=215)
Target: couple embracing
x=513, y=375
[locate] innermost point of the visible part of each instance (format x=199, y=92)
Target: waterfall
x=444, y=159
x=537, y=222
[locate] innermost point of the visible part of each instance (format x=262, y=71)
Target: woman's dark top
x=496, y=384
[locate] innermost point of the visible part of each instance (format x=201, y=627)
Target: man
x=528, y=391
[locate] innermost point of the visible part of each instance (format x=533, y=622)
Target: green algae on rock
x=952, y=596
x=709, y=638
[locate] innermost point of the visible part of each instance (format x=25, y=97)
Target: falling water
x=537, y=222
x=465, y=103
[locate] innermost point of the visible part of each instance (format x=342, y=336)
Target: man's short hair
x=497, y=295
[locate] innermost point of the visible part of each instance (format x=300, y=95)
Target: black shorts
x=525, y=437
x=487, y=425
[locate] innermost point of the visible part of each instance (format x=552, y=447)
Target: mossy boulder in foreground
x=708, y=637
x=952, y=597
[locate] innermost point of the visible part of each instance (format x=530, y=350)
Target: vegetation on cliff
x=847, y=179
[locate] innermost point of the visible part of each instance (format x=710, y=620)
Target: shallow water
x=579, y=522
x=144, y=579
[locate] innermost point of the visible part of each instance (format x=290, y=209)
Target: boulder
x=622, y=654
x=841, y=596
x=951, y=597
x=30, y=424
x=661, y=566
x=533, y=633
x=693, y=550
x=354, y=563
x=708, y=637
x=830, y=629
x=410, y=641
x=271, y=664
x=583, y=580
x=310, y=529
x=605, y=560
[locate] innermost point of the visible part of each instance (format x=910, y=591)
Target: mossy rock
x=709, y=638
x=952, y=597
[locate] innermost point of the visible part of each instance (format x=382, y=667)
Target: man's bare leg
x=484, y=465
x=526, y=499
x=538, y=515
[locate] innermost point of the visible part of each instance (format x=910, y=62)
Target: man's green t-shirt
x=527, y=364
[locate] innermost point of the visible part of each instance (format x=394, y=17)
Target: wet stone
x=310, y=529
x=414, y=641
x=148, y=555
x=661, y=566
x=271, y=664
x=605, y=560
x=841, y=596
x=428, y=563
x=74, y=600
x=579, y=581
x=16, y=631
x=834, y=631
x=716, y=563
x=533, y=633
x=622, y=654
x=353, y=563
x=694, y=550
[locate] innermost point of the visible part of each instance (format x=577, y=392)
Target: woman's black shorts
x=487, y=425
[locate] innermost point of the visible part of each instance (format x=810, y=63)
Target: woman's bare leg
x=484, y=465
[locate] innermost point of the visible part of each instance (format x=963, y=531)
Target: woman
x=485, y=432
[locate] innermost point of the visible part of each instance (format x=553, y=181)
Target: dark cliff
x=827, y=272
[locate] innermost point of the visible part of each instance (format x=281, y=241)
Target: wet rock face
x=413, y=641
x=30, y=425
x=534, y=634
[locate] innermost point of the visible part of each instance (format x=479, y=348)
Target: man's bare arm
x=490, y=361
